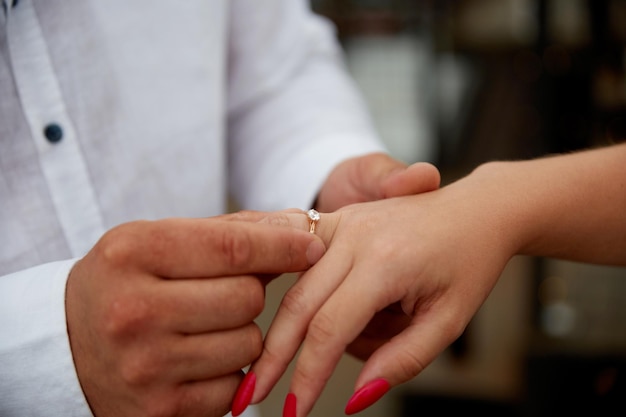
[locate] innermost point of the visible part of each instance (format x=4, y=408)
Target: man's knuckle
x=162, y=405
x=121, y=244
x=255, y=294
x=140, y=369
x=115, y=248
x=125, y=316
x=236, y=250
x=277, y=219
x=254, y=341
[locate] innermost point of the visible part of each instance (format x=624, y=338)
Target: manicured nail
x=367, y=395
x=244, y=394
x=289, y=410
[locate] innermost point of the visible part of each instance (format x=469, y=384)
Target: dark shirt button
x=53, y=132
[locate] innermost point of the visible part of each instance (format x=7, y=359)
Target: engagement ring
x=314, y=217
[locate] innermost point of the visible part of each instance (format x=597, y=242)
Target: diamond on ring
x=314, y=217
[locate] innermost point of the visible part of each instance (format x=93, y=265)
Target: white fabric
x=166, y=108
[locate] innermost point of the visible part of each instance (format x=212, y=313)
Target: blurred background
x=460, y=82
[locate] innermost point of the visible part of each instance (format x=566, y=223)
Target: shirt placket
x=61, y=160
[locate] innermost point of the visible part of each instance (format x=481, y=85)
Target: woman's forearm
x=569, y=206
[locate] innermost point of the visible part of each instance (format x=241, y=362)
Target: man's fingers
x=190, y=304
x=188, y=248
x=204, y=398
x=252, y=216
x=194, y=356
x=418, y=178
x=382, y=176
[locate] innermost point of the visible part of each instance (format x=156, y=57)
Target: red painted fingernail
x=244, y=394
x=289, y=410
x=367, y=395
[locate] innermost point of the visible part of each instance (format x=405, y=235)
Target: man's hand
x=160, y=313
x=375, y=177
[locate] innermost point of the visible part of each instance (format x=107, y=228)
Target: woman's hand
x=402, y=277
x=399, y=282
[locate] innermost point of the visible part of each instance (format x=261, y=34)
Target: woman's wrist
x=510, y=204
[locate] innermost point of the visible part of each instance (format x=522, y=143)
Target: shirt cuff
x=38, y=375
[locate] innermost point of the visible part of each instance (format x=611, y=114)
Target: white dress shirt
x=118, y=110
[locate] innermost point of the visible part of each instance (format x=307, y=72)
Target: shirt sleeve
x=38, y=376
x=294, y=113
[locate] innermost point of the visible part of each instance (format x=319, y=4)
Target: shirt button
x=53, y=133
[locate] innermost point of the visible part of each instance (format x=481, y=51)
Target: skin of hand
x=160, y=313
x=374, y=177
x=413, y=300
x=366, y=178
x=428, y=262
